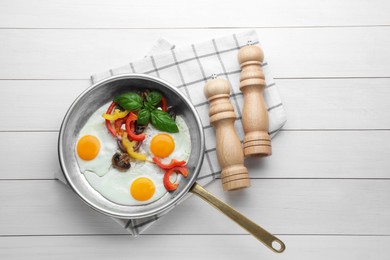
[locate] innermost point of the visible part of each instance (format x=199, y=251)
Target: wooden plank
x=292, y=52
x=45, y=100
x=316, y=154
x=336, y=103
x=301, y=206
x=28, y=155
x=192, y=247
x=55, y=207
x=201, y=13
x=309, y=103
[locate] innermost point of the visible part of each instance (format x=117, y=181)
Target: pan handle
x=258, y=232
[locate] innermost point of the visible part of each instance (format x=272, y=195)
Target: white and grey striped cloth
x=188, y=68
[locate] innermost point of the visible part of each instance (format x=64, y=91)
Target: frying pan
x=103, y=92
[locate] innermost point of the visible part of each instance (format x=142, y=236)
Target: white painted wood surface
x=294, y=206
x=192, y=247
x=311, y=104
x=201, y=13
x=67, y=54
x=325, y=190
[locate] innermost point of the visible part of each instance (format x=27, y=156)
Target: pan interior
x=92, y=99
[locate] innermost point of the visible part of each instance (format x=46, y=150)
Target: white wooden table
x=326, y=190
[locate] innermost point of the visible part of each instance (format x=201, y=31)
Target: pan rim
x=165, y=206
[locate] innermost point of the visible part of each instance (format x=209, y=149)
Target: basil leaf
x=149, y=106
x=153, y=98
x=130, y=101
x=162, y=121
x=143, y=116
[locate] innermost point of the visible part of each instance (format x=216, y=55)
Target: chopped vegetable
x=117, y=115
x=163, y=104
x=171, y=112
x=139, y=129
x=147, y=111
x=108, y=122
x=172, y=164
x=120, y=145
x=121, y=161
x=169, y=186
x=130, y=128
x=118, y=125
x=137, y=146
x=129, y=145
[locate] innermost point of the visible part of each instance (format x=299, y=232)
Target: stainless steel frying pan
x=103, y=92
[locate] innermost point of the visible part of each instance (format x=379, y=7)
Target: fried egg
x=95, y=146
x=143, y=182
x=140, y=185
x=167, y=146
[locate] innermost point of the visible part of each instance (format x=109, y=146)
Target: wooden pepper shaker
x=234, y=174
x=257, y=141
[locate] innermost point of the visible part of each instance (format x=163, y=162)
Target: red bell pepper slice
x=163, y=104
x=169, y=186
x=108, y=122
x=172, y=164
x=118, y=124
x=130, y=128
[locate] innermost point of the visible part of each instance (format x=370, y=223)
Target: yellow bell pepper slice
x=129, y=145
x=117, y=114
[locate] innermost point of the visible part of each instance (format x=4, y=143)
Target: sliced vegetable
x=120, y=145
x=172, y=113
x=129, y=145
x=130, y=128
x=118, y=125
x=169, y=186
x=147, y=112
x=137, y=146
x=163, y=104
x=121, y=161
x=130, y=101
x=117, y=114
x=139, y=129
x=172, y=164
x=108, y=122
x=144, y=93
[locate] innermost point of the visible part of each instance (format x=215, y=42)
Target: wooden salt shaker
x=234, y=174
x=257, y=141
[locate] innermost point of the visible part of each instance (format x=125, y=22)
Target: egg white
x=115, y=185
x=182, y=141
x=96, y=126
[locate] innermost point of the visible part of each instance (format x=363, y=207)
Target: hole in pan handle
x=272, y=242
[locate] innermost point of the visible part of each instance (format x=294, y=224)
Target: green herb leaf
x=130, y=101
x=143, y=116
x=149, y=106
x=153, y=98
x=162, y=121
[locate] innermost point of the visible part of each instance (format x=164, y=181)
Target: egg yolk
x=142, y=189
x=162, y=145
x=88, y=147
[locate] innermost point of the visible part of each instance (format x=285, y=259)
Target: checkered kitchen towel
x=188, y=68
